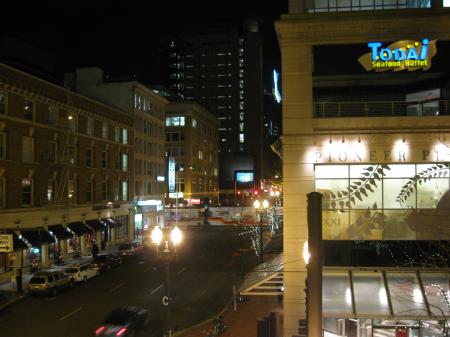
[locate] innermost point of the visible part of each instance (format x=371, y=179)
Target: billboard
x=244, y=176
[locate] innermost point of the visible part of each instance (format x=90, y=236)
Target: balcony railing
x=381, y=109
x=315, y=6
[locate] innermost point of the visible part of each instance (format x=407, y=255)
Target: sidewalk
x=8, y=289
x=243, y=321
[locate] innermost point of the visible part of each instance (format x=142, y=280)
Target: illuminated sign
x=401, y=55
x=275, y=91
x=151, y=202
x=195, y=201
x=176, y=195
x=160, y=178
x=244, y=176
x=6, y=243
x=171, y=174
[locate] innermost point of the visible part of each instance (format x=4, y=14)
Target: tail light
x=121, y=332
x=99, y=330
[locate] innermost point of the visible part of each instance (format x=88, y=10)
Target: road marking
x=116, y=287
x=154, y=291
x=182, y=270
x=202, y=293
x=70, y=314
x=201, y=256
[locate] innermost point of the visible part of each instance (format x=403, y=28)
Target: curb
x=4, y=305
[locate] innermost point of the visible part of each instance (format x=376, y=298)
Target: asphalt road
x=201, y=281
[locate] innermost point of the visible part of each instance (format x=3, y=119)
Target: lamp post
x=261, y=209
x=170, y=239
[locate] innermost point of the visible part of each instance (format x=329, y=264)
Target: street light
x=261, y=209
x=171, y=238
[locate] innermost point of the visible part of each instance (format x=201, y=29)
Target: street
x=201, y=281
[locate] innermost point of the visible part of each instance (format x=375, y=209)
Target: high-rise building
x=220, y=68
x=147, y=110
x=366, y=118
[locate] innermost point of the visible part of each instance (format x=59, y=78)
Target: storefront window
x=384, y=201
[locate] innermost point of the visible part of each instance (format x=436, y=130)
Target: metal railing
x=381, y=109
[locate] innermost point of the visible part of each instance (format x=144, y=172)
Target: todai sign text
x=406, y=55
x=171, y=175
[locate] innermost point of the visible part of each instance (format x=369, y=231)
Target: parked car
x=82, y=272
x=49, y=282
x=127, y=321
x=130, y=249
x=106, y=261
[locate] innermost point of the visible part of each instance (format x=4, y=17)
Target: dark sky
x=124, y=37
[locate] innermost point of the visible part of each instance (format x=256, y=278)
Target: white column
x=44, y=255
x=82, y=245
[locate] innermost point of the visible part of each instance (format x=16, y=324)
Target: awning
x=110, y=222
x=79, y=228
x=18, y=244
x=60, y=232
x=96, y=225
x=37, y=236
x=399, y=293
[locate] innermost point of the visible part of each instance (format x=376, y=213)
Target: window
x=2, y=146
x=124, y=190
x=73, y=122
x=51, y=190
x=105, y=130
x=27, y=192
x=241, y=116
x=241, y=138
x=53, y=115
x=73, y=153
x=175, y=121
x=105, y=156
x=89, y=157
x=71, y=191
x=124, y=162
x=117, y=134
x=3, y=102
x=200, y=154
x=194, y=123
x=90, y=127
x=28, y=109
x=89, y=190
x=51, y=152
x=241, y=105
x=124, y=136
x=104, y=189
x=27, y=149
x=241, y=127
x=116, y=191
x=2, y=192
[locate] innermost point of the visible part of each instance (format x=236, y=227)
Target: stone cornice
x=363, y=26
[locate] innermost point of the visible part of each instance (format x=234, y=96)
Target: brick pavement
x=243, y=321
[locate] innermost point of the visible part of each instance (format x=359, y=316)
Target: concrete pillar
x=98, y=238
x=112, y=234
x=63, y=248
x=44, y=255
x=82, y=244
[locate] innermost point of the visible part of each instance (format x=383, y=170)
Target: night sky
x=126, y=37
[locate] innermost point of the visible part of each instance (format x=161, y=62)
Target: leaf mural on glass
x=371, y=219
x=358, y=189
x=436, y=170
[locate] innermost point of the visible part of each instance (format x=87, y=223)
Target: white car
x=82, y=272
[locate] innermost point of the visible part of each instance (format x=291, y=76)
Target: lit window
x=241, y=127
x=27, y=192
x=124, y=190
x=241, y=138
x=194, y=123
x=104, y=130
x=241, y=94
x=116, y=134
x=124, y=136
x=241, y=62
x=241, y=73
x=124, y=162
x=241, y=84
x=241, y=116
x=241, y=105
x=223, y=139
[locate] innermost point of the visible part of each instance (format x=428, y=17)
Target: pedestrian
x=94, y=249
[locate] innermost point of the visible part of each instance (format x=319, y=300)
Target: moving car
x=82, y=272
x=130, y=249
x=49, y=282
x=106, y=261
x=123, y=322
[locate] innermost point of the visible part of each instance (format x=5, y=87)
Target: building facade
x=66, y=171
x=220, y=68
x=147, y=110
x=365, y=122
x=192, y=140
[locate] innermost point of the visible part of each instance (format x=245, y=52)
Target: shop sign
x=171, y=174
x=176, y=195
x=195, y=201
x=151, y=202
x=6, y=243
x=406, y=55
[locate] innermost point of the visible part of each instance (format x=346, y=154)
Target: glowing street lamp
x=261, y=208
